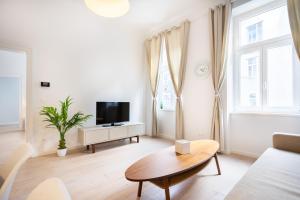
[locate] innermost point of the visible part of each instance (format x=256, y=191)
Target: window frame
x=295, y=108
x=262, y=47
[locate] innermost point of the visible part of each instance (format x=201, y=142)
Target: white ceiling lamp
x=108, y=8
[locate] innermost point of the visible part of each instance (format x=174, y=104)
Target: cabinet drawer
x=136, y=130
x=96, y=136
x=117, y=133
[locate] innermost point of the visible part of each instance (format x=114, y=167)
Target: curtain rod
x=170, y=28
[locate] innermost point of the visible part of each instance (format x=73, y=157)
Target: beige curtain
x=294, y=16
x=153, y=48
x=220, y=20
x=176, y=45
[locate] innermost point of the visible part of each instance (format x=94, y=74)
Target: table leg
x=138, y=139
x=130, y=139
x=140, y=189
x=217, y=163
x=93, y=148
x=87, y=147
x=167, y=190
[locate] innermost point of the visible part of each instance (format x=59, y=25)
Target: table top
x=167, y=162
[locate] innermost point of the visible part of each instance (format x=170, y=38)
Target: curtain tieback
x=217, y=94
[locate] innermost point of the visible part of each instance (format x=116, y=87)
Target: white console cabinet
x=90, y=136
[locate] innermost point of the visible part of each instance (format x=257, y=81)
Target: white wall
x=251, y=134
x=82, y=55
x=198, y=93
x=166, y=123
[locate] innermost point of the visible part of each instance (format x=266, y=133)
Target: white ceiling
x=154, y=11
x=146, y=13
x=143, y=14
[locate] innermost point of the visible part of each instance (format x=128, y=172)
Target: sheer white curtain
x=294, y=16
x=153, y=49
x=220, y=21
x=176, y=45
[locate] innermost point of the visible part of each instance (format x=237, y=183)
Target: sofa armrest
x=287, y=142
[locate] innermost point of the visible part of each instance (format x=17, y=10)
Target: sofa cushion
x=274, y=176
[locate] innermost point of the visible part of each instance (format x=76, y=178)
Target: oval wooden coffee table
x=166, y=168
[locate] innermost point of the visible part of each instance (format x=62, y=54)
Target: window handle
x=265, y=85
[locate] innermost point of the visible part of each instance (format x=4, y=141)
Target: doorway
x=13, y=100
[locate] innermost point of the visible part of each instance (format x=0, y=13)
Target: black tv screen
x=112, y=112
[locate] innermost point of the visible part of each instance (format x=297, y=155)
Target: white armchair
x=50, y=189
x=9, y=170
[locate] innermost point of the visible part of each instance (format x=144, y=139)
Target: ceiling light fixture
x=108, y=8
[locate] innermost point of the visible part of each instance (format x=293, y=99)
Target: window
x=266, y=70
x=252, y=67
x=249, y=79
x=270, y=22
x=166, y=98
x=254, y=32
x=279, y=80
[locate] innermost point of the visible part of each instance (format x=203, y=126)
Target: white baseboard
x=244, y=153
x=166, y=136
x=53, y=151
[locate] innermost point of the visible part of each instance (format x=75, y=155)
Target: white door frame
x=29, y=114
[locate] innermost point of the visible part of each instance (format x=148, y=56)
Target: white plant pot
x=61, y=152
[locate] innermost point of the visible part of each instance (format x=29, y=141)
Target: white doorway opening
x=14, y=97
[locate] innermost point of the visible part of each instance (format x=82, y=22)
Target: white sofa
x=11, y=167
x=275, y=175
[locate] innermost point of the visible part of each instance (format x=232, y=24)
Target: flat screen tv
x=112, y=113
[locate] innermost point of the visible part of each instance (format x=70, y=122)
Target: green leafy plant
x=161, y=105
x=61, y=120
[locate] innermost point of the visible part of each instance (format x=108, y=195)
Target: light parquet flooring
x=100, y=176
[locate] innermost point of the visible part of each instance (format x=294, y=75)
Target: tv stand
x=106, y=125
x=112, y=124
x=91, y=136
x=117, y=124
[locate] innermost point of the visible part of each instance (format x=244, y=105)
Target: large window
x=266, y=69
x=166, y=94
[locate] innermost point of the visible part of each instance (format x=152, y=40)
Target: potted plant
x=62, y=122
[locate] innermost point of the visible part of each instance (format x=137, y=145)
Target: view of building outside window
x=267, y=25
x=252, y=67
x=254, y=32
x=249, y=79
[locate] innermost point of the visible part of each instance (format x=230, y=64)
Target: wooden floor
x=10, y=141
x=101, y=175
